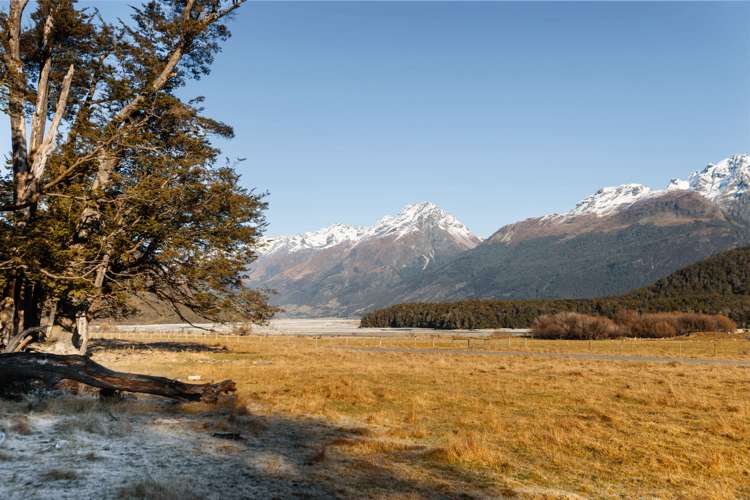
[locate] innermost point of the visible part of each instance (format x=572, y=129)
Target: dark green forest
x=717, y=285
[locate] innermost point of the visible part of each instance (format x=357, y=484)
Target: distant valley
x=615, y=240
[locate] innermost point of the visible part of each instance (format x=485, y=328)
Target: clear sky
x=347, y=111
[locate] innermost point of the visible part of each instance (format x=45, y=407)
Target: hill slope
x=727, y=273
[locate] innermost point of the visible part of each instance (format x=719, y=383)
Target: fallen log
x=52, y=368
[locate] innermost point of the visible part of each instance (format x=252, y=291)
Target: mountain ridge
x=409, y=219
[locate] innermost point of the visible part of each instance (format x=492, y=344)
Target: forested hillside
x=727, y=273
x=717, y=285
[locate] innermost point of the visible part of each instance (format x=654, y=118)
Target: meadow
x=430, y=415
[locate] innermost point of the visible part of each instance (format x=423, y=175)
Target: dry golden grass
x=512, y=425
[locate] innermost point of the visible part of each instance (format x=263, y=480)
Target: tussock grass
x=59, y=475
x=151, y=489
x=528, y=426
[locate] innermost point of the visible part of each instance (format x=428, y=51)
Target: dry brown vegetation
x=59, y=475
x=150, y=489
x=570, y=325
x=514, y=426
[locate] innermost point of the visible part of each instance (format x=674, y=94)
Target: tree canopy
x=117, y=190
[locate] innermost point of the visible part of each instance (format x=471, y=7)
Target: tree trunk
x=52, y=368
x=82, y=333
x=7, y=309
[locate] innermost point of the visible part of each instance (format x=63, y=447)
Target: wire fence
x=735, y=346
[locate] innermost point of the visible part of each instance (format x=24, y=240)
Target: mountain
x=617, y=239
x=343, y=270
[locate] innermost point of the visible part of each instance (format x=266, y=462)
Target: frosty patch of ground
x=81, y=448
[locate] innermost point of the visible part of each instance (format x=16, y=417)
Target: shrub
x=659, y=325
x=576, y=326
x=568, y=325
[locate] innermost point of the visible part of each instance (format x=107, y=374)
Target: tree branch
x=40, y=160
x=39, y=119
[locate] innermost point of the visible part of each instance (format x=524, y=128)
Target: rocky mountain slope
x=344, y=270
x=615, y=240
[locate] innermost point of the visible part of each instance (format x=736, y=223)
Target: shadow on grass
x=172, y=346
x=149, y=448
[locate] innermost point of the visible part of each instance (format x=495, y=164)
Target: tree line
x=470, y=314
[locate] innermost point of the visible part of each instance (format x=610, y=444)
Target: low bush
x=577, y=326
x=569, y=325
x=659, y=325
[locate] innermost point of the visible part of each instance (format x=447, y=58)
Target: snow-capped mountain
x=722, y=183
x=617, y=239
x=411, y=219
x=343, y=269
x=417, y=217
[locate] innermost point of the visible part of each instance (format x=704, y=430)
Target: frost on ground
x=75, y=447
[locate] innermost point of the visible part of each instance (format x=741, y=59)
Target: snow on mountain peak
x=412, y=218
x=724, y=181
x=322, y=238
x=418, y=216
x=678, y=185
x=610, y=199
x=720, y=183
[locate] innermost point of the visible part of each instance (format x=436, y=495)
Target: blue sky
x=347, y=111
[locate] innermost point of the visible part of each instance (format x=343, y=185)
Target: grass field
x=512, y=426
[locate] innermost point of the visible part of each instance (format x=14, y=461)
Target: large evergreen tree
x=117, y=190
